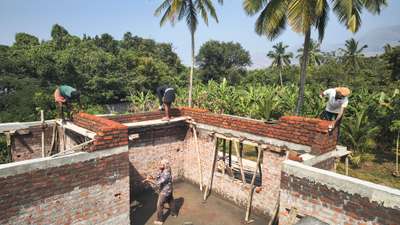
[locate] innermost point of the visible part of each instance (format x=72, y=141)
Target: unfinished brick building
x=93, y=173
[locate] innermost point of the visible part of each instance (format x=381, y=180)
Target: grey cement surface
x=192, y=210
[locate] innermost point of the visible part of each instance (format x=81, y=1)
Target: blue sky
x=119, y=16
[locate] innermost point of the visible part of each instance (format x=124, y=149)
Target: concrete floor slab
x=192, y=210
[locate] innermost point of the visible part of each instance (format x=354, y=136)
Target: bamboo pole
x=240, y=162
x=347, y=165
x=198, y=158
x=208, y=187
x=250, y=198
x=42, y=120
x=230, y=153
x=397, y=153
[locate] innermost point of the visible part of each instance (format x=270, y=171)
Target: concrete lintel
x=388, y=197
x=155, y=122
x=15, y=168
x=256, y=138
x=339, y=152
x=77, y=129
x=7, y=127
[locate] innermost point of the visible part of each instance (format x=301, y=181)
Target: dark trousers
x=331, y=117
x=162, y=199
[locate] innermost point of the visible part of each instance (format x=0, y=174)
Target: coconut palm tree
x=280, y=57
x=188, y=10
x=314, y=53
x=302, y=16
x=352, y=54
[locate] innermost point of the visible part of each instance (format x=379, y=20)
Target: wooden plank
x=157, y=122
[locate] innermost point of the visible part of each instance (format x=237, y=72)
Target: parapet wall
x=81, y=188
x=335, y=198
x=109, y=133
x=300, y=130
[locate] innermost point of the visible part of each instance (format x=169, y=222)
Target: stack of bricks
x=143, y=116
x=307, y=131
x=108, y=133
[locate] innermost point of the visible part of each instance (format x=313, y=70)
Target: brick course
x=333, y=205
x=89, y=192
x=108, y=132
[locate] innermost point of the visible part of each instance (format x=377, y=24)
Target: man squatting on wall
x=163, y=183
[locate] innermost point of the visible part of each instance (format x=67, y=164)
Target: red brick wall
x=229, y=188
x=89, y=192
x=29, y=146
x=295, y=129
x=334, y=205
x=156, y=143
x=143, y=116
x=108, y=133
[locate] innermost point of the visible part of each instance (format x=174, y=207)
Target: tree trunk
x=303, y=73
x=397, y=153
x=280, y=76
x=191, y=72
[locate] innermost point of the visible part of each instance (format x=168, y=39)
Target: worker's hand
x=60, y=99
x=321, y=94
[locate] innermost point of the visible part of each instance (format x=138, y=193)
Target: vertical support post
x=230, y=153
x=43, y=127
x=198, y=158
x=250, y=198
x=241, y=149
x=397, y=153
x=347, y=165
x=259, y=165
x=224, y=149
x=9, y=146
x=239, y=159
x=208, y=187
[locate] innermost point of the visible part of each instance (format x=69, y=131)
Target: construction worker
x=63, y=96
x=166, y=95
x=163, y=182
x=337, y=102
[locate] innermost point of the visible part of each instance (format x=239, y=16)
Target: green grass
x=375, y=172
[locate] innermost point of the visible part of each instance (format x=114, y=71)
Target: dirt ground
x=192, y=210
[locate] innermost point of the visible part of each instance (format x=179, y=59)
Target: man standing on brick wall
x=166, y=96
x=63, y=96
x=337, y=102
x=164, y=182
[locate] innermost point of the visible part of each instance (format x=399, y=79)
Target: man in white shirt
x=337, y=102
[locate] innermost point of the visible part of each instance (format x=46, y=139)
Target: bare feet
x=158, y=222
x=166, y=118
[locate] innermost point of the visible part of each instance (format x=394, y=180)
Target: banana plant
x=142, y=101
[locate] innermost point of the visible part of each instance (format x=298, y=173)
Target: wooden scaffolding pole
x=230, y=153
x=208, y=187
x=239, y=159
x=43, y=127
x=198, y=157
x=250, y=198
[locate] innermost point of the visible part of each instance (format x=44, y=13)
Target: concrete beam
x=15, y=168
x=339, y=152
x=77, y=129
x=388, y=197
x=12, y=127
x=255, y=138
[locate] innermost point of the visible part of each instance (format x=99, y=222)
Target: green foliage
x=103, y=69
x=219, y=60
